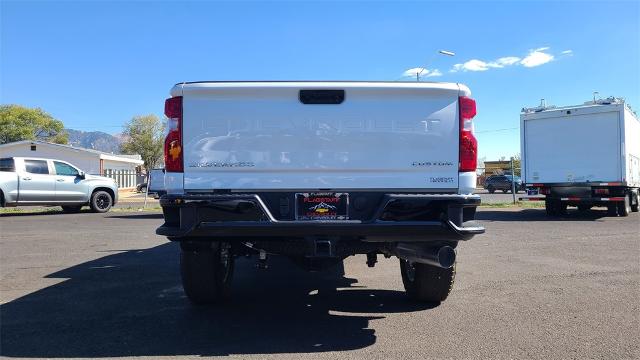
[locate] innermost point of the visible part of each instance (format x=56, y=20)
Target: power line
x=497, y=130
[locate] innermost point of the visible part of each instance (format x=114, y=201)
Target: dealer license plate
x=322, y=206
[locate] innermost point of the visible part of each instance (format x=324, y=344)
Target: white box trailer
x=583, y=155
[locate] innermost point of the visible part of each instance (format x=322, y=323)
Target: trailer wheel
x=550, y=208
x=583, y=208
x=206, y=273
x=624, y=207
x=634, y=203
x=427, y=283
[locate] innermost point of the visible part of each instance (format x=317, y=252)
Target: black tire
x=612, y=210
x=624, y=207
x=584, y=208
x=634, y=203
x=101, y=201
x=491, y=189
x=143, y=189
x=427, y=283
x=505, y=191
x=551, y=208
x=206, y=274
x=71, y=209
x=562, y=208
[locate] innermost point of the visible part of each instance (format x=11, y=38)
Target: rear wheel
x=427, y=283
x=612, y=210
x=491, y=189
x=101, y=201
x=71, y=209
x=206, y=273
x=624, y=207
x=562, y=208
x=634, y=203
x=551, y=207
x=505, y=191
x=583, y=208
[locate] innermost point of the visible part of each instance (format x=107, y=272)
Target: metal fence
x=124, y=178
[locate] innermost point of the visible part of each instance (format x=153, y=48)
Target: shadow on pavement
x=132, y=304
x=133, y=216
x=55, y=210
x=539, y=215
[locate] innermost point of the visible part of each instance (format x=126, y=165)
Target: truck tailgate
x=262, y=136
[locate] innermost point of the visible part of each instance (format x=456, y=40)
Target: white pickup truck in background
x=582, y=155
x=318, y=171
x=36, y=181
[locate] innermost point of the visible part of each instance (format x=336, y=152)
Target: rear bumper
x=246, y=215
x=580, y=193
x=576, y=200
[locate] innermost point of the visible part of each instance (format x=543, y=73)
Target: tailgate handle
x=321, y=96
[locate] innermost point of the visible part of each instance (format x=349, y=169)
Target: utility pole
x=513, y=181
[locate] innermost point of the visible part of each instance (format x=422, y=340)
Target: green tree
x=517, y=164
x=144, y=135
x=21, y=123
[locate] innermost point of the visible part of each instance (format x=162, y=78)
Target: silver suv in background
x=36, y=181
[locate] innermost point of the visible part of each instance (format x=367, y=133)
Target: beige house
x=90, y=161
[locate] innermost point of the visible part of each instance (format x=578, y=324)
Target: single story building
x=123, y=168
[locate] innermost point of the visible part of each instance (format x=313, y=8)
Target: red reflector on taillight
x=173, y=142
x=173, y=107
x=602, y=191
x=467, y=107
x=468, y=142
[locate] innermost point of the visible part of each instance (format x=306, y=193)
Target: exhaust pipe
x=443, y=257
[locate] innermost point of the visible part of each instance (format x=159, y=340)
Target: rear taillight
x=545, y=191
x=173, y=141
x=601, y=191
x=468, y=142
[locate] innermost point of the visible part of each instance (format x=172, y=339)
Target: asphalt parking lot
x=104, y=285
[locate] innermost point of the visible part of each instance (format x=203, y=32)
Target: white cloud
x=479, y=65
x=504, y=61
x=422, y=72
x=537, y=57
x=471, y=65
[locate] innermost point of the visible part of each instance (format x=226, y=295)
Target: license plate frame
x=319, y=206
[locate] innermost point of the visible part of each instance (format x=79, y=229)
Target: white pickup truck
x=318, y=171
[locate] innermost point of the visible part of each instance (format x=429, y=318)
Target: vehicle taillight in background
x=173, y=141
x=468, y=142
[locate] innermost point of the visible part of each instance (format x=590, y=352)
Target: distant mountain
x=96, y=140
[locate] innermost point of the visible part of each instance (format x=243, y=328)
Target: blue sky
x=94, y=65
